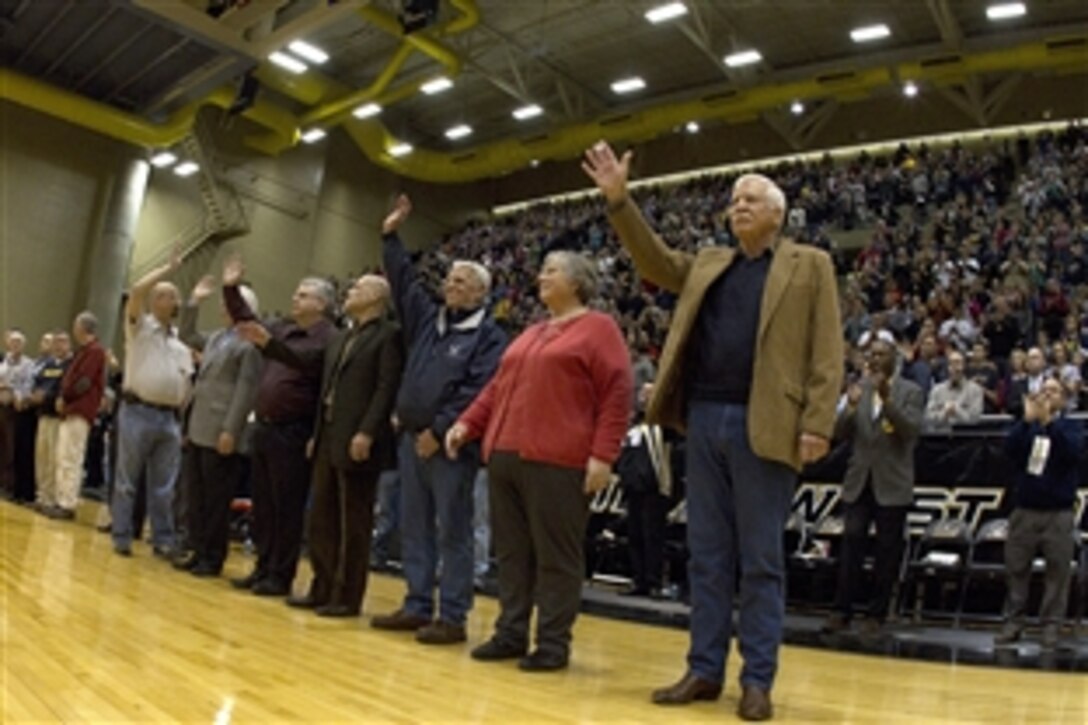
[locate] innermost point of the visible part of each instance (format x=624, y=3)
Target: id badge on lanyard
x=1040, y=452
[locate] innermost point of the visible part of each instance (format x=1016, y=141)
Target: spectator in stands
x=224, y=394
x=1067, y=372
x=453, y=350
x=352, y=443
x=755, y=358
x=80, y=397
x=46, y=392
x=982, y=371
x=1044, y=446
x=552, y=420
x=956, y=401
x=1030, y=384
x=16, y=385
x=882, y=418
x=157, y=380
x=287, y=401
x=928, y=368
x=1002, y=331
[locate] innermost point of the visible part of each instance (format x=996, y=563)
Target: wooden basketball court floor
x=88, y=636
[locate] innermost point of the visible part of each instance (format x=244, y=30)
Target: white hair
x=478, y=270
x=775, y=196
x=250, y=297
x=16, y=335
x=322, y=288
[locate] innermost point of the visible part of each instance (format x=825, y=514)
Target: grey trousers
x=1051, y=533
x=539, y=515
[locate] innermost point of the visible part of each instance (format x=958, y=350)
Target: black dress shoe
x=543, y=661
x=204, y=569
x=122, y=549
x=247, y=582
x=269, y=587
x=755, y=704
x=691, y=687
x=185, y=560
x=496, y=649
x=336, y=610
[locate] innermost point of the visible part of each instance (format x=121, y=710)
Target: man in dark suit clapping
x=883, y=416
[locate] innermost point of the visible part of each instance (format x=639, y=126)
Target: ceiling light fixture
x=692, y=127
x=669, y=11
x=400, y=149
x=743, y=58
x=187, y=168
x=368, y=110
x=870, y=33
x=163, y=159
x=1004, y=11
x=458, y=132
x=288, y=63
x=526, y=112
x=313, y=135
x=910, y=89
x=628, y=85
x=308, y=52
x=797, y=108
x=436, y=86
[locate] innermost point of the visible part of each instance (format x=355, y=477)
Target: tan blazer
x=798, y=369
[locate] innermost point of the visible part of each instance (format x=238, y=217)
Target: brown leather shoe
x=755, y=704
x=399, y=621
x=441, y=632
x=691, y=687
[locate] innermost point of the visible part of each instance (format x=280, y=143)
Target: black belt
x=135, y=399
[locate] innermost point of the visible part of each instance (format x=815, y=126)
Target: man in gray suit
x=224, y=395
x=883, y=416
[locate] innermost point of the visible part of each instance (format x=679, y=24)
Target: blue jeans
x=149, y=441
x=386, y=516
x=737, y=507
x=436, y=491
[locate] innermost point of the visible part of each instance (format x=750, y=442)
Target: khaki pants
x=71, y=448
x=45, y=459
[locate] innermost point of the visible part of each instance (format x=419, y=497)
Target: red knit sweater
x=90, y=363
x=562, y=394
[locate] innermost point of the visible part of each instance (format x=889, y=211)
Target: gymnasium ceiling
x=150, y=58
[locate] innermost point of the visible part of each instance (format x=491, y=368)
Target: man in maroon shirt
x=287, y=398
x=81, y=392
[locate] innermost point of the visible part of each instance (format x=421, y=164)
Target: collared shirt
x=158, y=366
x=964, y=397
x=17, y=375
x=286, y=393
x=726, y=330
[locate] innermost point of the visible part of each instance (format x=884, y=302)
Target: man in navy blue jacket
x=1045, y=448
x=453, y=350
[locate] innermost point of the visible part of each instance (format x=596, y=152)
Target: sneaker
x=1050, y=636
x=1009, y=634
x=835, y=623
x=441, y=632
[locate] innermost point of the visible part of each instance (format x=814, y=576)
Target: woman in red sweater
x=552, y=421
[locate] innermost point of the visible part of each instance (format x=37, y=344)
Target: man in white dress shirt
x=157, y=380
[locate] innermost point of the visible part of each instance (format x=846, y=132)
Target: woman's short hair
x=580, y=271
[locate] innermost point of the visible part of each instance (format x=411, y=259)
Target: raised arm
x=414, y=304
x=187, y=331
x=137, y=295
x=666, y=268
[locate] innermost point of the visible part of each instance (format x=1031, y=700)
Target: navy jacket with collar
x=448, y=364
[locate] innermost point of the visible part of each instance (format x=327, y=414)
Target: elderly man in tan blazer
x=752, y=369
